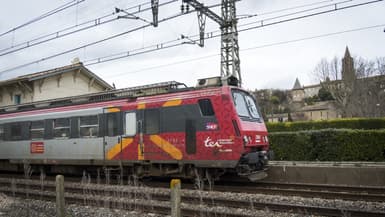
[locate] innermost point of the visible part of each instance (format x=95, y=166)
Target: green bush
x=329, y=145
x=351, y=123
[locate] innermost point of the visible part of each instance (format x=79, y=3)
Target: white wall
x=68, y=86
x=7, y=96
x=51, y=88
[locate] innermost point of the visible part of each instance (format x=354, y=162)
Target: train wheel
x=210, y=180
x=198, y=179
x=205, y=177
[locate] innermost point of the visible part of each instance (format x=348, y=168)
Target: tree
x=324, y=95
x=357, y=93
x=272, y=101
x=326, y=70
x=380, y=65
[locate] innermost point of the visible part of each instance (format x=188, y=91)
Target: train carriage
x=154, y=130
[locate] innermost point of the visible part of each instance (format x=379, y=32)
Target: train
x=163, y=129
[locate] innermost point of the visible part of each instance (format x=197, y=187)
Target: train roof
x=116, y=94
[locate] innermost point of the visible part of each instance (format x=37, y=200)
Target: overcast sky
x=265, y=61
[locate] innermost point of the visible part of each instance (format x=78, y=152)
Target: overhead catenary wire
x=103, y=20
x=263, y=22
x=97, y=42
x=246, y=16
x=75, y=29
x=45, y=15
x=89, y=44
x=164, y=45
x=249, y=49
x=208, y=36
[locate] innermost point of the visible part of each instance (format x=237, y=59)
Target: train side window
x=37, y=130
x=112, y=124
x=151, y=117
x=61, y=128
x=1, y=132
x=130, y=124
x=15, y=132
x=89, y=126
x=206, y=107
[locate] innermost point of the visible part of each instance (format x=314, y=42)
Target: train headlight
x=245, y=139
x=265, y=139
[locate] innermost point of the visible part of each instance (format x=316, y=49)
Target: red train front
x=217, y=127
x=152, y=130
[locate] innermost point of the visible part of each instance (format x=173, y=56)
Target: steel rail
x=97, y=194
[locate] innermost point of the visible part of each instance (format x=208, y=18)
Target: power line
x=164, y=46
x=103, y=20
x=214, y=34
x=45, y=15
x=89, y=44
x=262, y=23
x=246, y=16
x=97, y=42
x=78, y=28
x=253, y=48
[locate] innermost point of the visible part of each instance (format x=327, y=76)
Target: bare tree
x=335, y=69
x=364, y=68
x=360, y=97
x=380, y=65
x=321, y=71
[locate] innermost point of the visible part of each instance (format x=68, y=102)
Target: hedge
x=329, y=145
x=351, y=123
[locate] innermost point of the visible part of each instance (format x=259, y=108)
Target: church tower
x=348, y=71
x=297, y=93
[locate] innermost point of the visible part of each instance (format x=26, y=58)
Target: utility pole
x=230, y=62
x=155, y=9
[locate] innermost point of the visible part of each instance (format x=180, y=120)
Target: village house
x=66, y=81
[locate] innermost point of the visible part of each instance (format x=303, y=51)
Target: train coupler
x=253, y=165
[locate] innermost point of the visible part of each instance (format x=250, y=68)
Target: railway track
x=305, y=190
x=157, y=200
x=353, y=193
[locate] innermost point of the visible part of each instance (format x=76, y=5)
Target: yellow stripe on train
x=167, y=147
x=141, y=105
x=140, y=152
x=174, y=102
x=117, y=148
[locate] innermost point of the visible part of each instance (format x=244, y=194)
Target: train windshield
x=246, y=106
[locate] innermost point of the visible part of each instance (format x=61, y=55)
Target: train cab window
x=37, y=130
x=152, y=121
x=61, y=128
x=246, y=106
x=240, y=104
x=130, y=124
x=15, y=132
x=206, y=107
x=252, y=107
x=89, y=126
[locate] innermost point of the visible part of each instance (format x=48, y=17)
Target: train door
x=150, y=143
x=140, y=134
x=112, y=133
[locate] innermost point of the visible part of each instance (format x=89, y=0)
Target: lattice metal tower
x=230, y=62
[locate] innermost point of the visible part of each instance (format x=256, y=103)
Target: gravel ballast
x=17, y=207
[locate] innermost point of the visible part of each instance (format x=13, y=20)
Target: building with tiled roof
x=70, y=80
